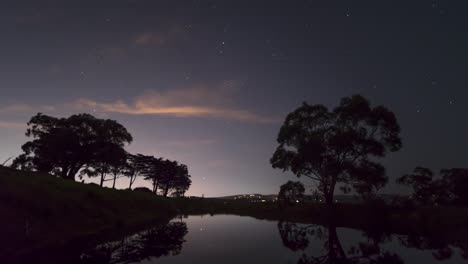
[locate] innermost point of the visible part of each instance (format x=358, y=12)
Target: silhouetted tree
x=109, y=159
x=152, y=170
x=176, y=179
x=165, y=175
x=456, y=181
x=135, y=167
x=338, y=146
x=421, y=182
x=447, y=188
x=181, y=182
x=63, y=146
x=291, y=193
x=120, y=168
x=169, y=172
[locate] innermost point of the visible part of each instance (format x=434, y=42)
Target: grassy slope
x=41, y=211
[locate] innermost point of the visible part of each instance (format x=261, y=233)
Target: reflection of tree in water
x=441, y=249
x=156, y=242
x=296, y=237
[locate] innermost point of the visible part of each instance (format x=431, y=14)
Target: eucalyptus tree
x=338, y=146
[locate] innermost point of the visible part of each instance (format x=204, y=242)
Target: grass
x=39, y=211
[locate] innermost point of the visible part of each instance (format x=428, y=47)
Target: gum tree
x=338, y=146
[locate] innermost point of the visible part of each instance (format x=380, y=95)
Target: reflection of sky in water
x=234, y=239
x=231, y=239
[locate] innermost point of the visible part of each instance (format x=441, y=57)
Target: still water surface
x=235, y=239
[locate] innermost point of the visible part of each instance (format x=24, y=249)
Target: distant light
x=297, y=201
x=263, y=201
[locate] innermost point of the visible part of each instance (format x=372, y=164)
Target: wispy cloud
x=12, y=125
x=24, y=108
x=193, y=102
x=160, y=37
x=196, y=102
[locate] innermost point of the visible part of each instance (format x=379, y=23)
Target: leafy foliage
x=448, y=188
x=338, y=146
x=63, y=146
x=291, y=193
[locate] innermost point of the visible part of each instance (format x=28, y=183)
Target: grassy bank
x=39, y=211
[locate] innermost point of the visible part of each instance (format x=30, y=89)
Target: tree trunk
x=64, y=173
x=166, y=190
x=335, y=248
x=329, y=199
x=102, y=179
x=131, y=182
x=115, y=178
x=72, y=171
x=155, y=186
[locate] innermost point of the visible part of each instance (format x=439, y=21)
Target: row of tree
x=83, y=145
x=341, y=147
x=428, y=189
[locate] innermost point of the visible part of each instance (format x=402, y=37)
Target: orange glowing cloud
x=195, y=102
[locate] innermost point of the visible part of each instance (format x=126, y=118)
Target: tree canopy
x=338, y=146
x=166, y=176
x=291, y=193
x=63, y=146
x=449, y=187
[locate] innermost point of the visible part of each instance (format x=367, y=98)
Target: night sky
x=208, y=83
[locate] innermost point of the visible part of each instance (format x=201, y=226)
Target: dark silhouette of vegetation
x=134, y=170
x=338, y=146
x=107, y=160
x=142, y=189
x=159, y=241
x=166, y=176
x=63, y=146
x=447, y=188
x=291, y=193
x=297, y=237
x=441, y=249
x=456, y=180
x=84, y=145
